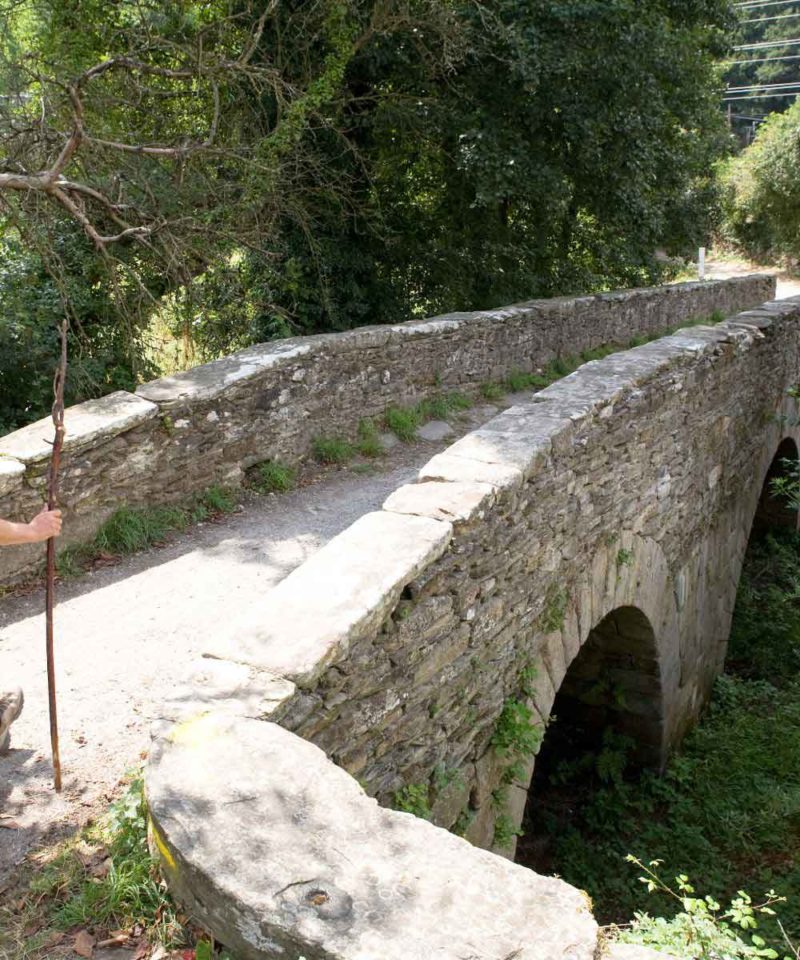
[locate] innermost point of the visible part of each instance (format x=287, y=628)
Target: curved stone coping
x=84, y=424
x=211, y=380
x=307, y=621
x=284, y=855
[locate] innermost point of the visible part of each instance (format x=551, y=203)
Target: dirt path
x=787, y=286
x=125, y=635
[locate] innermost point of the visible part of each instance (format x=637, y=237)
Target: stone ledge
x=309, y=618
x=209, y=380
x=457, y=468
x=453, y=502
x=281, y=853
x=85, y=423
x=11, y=473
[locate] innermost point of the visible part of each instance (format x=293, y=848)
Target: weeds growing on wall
x=727, y=810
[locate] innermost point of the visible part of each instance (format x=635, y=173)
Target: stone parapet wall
x=206, y=426
x=628, y=487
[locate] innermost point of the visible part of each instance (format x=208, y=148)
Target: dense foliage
x=761, y=188
x=727, y=811
x=244, y=170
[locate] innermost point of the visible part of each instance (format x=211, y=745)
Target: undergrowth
x=105, y=884
x=726, y=812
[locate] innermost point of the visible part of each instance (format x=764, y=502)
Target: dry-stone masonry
x=585, y=543
x=181, y=434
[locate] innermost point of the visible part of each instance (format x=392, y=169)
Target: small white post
x=701, y=263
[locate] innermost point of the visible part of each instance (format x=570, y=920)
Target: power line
x=767, y=96
x=733, y=63
x=768, y=43
x=767, y=3
x=763, y=86
x=783, y=16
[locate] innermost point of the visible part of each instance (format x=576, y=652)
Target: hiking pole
x=52, y=501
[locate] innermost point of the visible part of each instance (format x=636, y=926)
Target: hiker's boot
x=11, y=703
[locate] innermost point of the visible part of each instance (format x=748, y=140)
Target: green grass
x=103, y=880
x=369, y=441
x=492, y=391
x=272, y=476
x=130, y=530
x=403, y=422
x=519, y=380
x=727, y=810
x=107, y=880
x=332, y=450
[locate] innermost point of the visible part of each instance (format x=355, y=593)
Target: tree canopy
x=245, y=169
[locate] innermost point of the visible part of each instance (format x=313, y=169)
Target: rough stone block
x=210, y=380
x=455, y=502
x=85, y=423
x=280, y=853
x=352, y=583
x=435, y=431
x=453, y=467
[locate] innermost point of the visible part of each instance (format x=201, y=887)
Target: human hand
x=46, y=524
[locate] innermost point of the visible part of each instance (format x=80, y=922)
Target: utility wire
x=783, y=16
x=733, y=63
x=768, y=43
x=760, y=96
x=763, y=86
x=768, y=3
x=766, y=91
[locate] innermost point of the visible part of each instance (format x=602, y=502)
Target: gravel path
x=126, y=633
x=787, y=285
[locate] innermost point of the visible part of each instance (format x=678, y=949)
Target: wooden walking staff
x=52, y=503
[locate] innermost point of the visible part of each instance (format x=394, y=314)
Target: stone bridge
x=577, y=556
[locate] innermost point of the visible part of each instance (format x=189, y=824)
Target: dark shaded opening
x=606, y=722
x=774, y=509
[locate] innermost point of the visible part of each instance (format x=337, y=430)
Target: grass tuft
x=492, y=391
x=272, y=476
x=132, y=529
x=403, y=422
x=332, y=450
x=369, y=441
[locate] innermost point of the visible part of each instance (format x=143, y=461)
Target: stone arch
x=773, y=510
x=612, y=686
x=614, y=683
x=629, y=573
x=626, y=585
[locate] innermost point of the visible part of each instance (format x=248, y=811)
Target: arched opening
x=607, y=721
x=763, y=641
x=774, y=508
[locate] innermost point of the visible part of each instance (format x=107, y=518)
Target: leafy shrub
x=761, y=188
